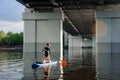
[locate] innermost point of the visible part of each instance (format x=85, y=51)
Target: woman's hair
x=47, y=44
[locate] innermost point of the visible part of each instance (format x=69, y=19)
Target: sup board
x=38, y=64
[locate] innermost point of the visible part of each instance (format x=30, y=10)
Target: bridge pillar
x=108, y=42
x=107, y=31
x=40, y=28
x=74, y=46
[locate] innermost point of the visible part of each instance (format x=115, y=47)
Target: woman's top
x=47, y=50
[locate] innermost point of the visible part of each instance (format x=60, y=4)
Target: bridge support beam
x=40, y=28
x=74, y=45
x=107, y=30
x=108, y=42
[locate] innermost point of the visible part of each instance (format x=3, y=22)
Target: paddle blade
x=63, y=63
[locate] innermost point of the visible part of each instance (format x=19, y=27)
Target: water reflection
x=11, y=65
x=108, y=66
x=108, y=61
x=46, y=73
x=81, y=65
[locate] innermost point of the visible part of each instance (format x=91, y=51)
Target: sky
x=11, y=16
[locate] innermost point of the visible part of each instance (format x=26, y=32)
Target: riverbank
x=20, y=47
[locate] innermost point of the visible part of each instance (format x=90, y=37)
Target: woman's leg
x=44, y=59
x=49, y=59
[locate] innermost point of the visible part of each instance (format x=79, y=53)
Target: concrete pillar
x=93, y=45
x=74, y=46
x=86, y=43
x=108, y=43
x=40, y=28
x=65, y=38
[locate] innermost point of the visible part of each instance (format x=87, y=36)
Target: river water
x=11, y=65
x=82, y=64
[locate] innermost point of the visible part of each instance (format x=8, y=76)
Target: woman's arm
x=50, y=52
x=43, y=49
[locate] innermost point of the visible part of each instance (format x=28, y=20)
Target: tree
x=11, y=39
x=2, y=35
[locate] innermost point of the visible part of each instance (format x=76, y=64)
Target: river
x=81, y=65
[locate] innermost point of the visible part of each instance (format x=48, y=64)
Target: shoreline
x=11, y=48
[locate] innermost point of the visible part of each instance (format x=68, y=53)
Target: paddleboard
x=39, y=65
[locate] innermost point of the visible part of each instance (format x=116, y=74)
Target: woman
x=46, y=57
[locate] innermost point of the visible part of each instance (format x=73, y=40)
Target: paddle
x=63, y=63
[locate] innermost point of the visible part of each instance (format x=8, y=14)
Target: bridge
x=79, y=14
x=95, y=20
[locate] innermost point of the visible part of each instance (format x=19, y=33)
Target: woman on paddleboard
x=46, y=57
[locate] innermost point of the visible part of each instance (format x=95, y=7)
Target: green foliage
x=2, y=35
x=11, y=38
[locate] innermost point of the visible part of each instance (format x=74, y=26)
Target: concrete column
x=93, y=45
x=108, y=43
x=74, y=46
x=40, y=28
x=86, y=43
x=107, y=30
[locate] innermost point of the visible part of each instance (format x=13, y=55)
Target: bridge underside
x=79, y=14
